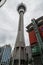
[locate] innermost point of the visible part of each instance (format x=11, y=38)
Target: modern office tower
x=33, y=39
x=6, y=55
x=19, y=56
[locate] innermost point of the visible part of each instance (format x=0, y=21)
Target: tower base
x=22, y=62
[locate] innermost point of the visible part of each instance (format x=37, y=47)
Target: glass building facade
x=6, y=55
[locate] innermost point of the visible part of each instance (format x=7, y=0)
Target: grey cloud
x=2, y=38
x=9, y=19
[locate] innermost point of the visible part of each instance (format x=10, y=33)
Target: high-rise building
x=6, y=55
x=33, y=39
x=19, y=55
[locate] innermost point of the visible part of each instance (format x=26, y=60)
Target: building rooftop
x=39, y=22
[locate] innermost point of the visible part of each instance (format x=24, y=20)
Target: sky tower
x=19, y=56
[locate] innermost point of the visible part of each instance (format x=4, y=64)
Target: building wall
x=32, y=35
x=37, y=60
x=28, y=51
x=33, y=40
x=6, y=54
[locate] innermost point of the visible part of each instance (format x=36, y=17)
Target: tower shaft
x=19, y=57
x=20, y=35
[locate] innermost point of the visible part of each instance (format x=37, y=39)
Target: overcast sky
x=9, y=19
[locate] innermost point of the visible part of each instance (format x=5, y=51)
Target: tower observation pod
x=19, y=56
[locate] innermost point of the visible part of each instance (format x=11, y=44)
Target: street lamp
x=2, y=2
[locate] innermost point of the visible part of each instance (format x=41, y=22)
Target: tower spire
x=19, y=57
x=20, y=36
